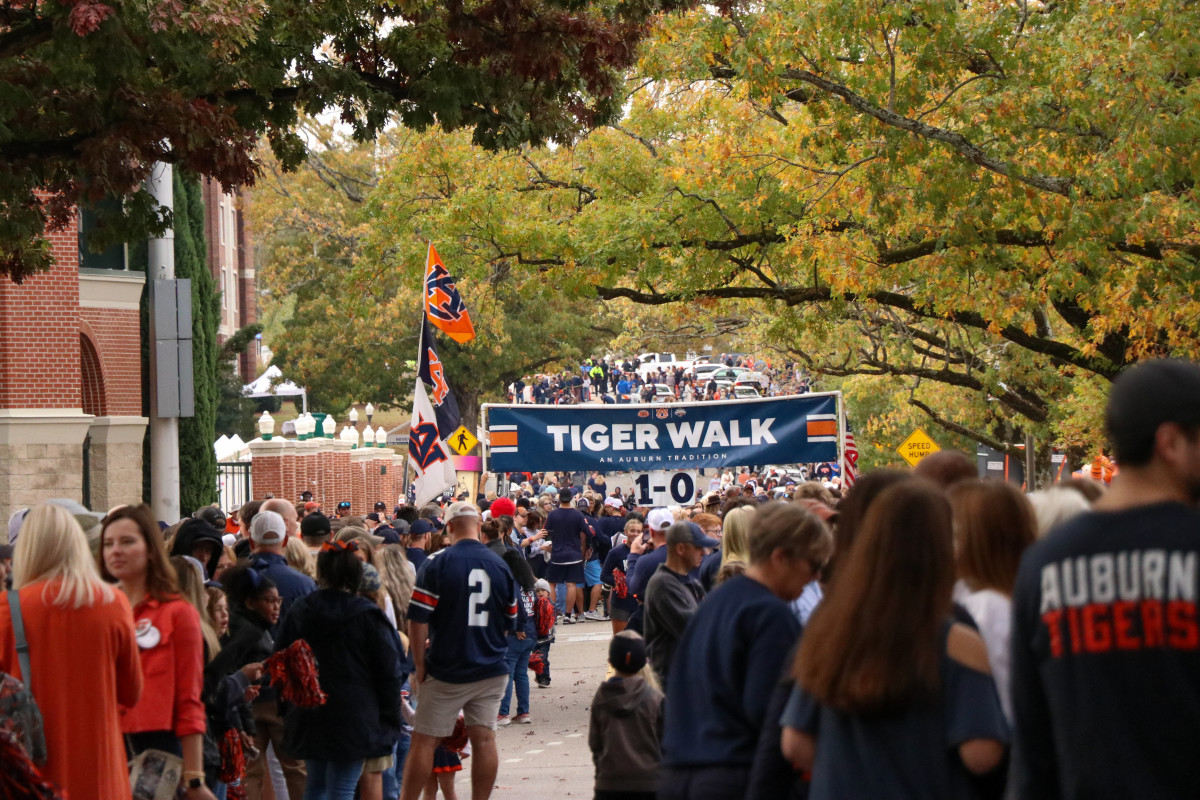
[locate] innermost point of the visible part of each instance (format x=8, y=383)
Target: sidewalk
x=550, y=758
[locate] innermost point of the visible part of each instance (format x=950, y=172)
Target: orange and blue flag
x=444, y=306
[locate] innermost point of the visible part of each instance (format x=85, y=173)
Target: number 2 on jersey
x=481, y=584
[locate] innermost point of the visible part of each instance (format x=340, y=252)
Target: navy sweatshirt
x=726, y=667
x=1106, y=657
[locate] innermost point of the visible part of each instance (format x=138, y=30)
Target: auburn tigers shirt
x=468, y=596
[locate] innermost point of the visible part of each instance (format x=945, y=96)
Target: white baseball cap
x=659, y=519
x=268, y=527
x=458, y=510
x=613, y=502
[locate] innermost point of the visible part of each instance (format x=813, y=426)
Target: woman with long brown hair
x=897, y=696
x=993, y=525
x=170, y=715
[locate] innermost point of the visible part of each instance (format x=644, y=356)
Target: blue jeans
x=332, y=780
x=517, y=661
x=392, y=775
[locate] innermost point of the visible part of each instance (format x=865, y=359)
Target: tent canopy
x=261, y=387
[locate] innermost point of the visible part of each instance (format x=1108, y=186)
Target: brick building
x=71, y=421
x=231, y=260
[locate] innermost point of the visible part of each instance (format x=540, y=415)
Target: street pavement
x=550, y=758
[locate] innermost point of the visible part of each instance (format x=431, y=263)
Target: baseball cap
x=503, y=506
x=380, y=506
x=583, y=502
x=388, y=534
x=370, y=581
x=659, y=519
x=458, y=510
x=310, y=507
x=268, y=527
x=420, y=527
x=613, y=502
x=689, y=533
x=314, y=526
x=627, y=652
x=1146, y=396
x=352, y=532
x=229, y=540
x=373, y=517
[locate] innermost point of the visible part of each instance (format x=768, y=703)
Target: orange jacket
x=172, y=650
x=84, y=664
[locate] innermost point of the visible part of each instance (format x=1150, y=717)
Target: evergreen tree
x=197, y=461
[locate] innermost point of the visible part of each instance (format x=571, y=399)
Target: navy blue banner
x=622, y=438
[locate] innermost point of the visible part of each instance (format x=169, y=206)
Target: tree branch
x=972, y=152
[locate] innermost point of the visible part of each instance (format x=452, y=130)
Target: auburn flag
x=427, y=452
x=444, y=306
x=434, y=375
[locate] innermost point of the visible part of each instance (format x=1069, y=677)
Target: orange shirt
x=172, y=650
x=84, y=663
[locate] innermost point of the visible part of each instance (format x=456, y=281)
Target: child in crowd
x=625, y=734
x=545, y=617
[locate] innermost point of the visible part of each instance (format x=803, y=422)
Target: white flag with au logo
x=427, y=453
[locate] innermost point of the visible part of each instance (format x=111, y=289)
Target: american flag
x=851, y=470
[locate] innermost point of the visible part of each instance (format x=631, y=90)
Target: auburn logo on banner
x=444, y=306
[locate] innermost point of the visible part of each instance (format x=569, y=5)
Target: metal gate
x=233, y=484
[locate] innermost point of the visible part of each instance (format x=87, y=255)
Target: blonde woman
x=735, y=535
x=83, y=655
x=397, y=576
x=299, y=558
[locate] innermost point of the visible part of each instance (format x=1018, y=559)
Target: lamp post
x=328, y=426
x=380, y=437
x=266, y=426
x=354, y=417
x=370, y=409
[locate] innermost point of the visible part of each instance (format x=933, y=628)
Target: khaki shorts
x=378, y=764
x=438, y=704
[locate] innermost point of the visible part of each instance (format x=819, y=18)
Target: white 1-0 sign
x=659, y=488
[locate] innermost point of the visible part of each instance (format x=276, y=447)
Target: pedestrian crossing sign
x=462, y=441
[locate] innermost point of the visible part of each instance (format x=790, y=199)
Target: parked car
x=653, y=362
x=753, y=378
x=727, y=373
x=745, y=391
x=704, y=371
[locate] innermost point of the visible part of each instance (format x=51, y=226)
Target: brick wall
x=117, y=338
x=39, y=332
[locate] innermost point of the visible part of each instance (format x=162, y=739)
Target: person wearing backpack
x=83, y=655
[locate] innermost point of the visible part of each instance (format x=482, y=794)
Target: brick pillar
x=399, y=464
x=307, y=466
x=268, y=459
x=289, y=470
x=382, y=468
x=336, y=480
x=360, y=463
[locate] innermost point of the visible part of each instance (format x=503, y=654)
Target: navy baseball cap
x=388, y=535
x=687, y=532
x=421, y=526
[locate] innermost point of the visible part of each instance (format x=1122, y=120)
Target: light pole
x=370, y=409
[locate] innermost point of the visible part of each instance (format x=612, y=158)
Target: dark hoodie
x=191, y=533
x=359, y=664
x=625, y=735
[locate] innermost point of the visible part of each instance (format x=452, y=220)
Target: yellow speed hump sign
x=916, y=447
x=462, y=441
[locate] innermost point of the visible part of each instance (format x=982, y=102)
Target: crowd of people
x=612, y=381
x=912, y=635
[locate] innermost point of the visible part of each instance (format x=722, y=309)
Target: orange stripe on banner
x=504, y=438
x=822, y=427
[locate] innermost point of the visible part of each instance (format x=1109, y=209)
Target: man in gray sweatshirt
x=671, y=596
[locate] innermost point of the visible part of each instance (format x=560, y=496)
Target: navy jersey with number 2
x=468, y=596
